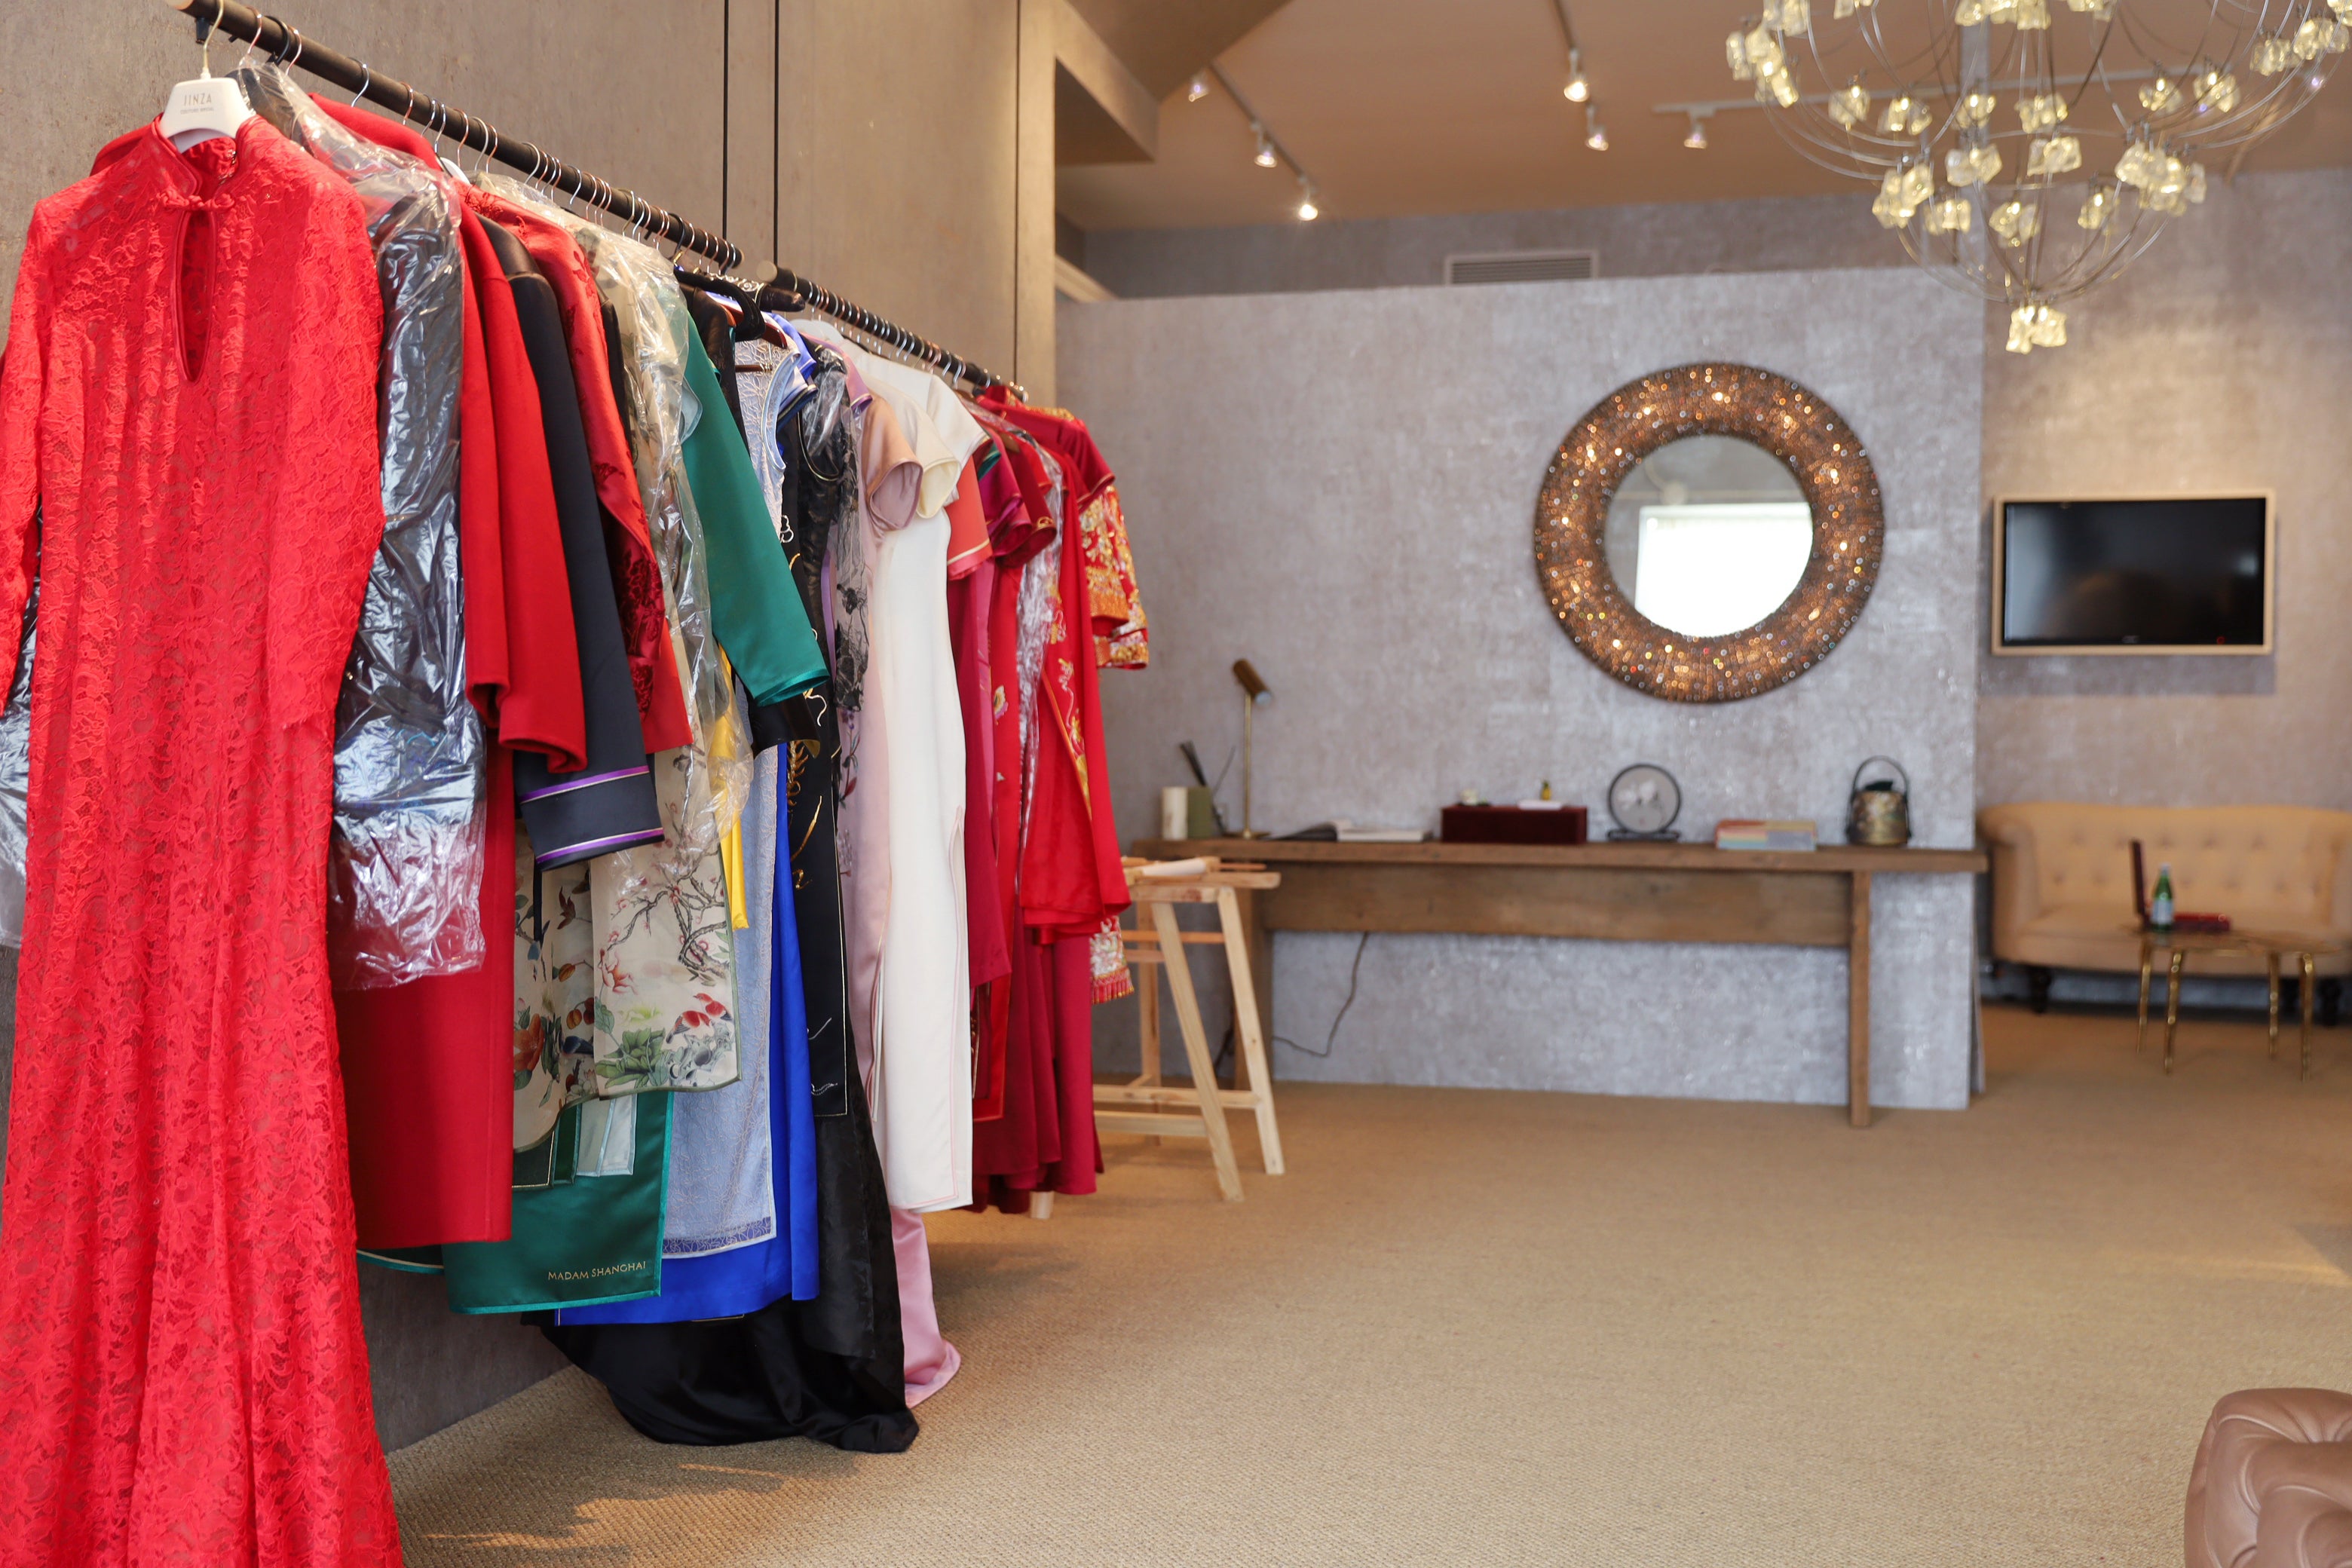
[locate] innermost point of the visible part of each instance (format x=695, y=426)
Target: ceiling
x=1163, y=42
x=1406, y=107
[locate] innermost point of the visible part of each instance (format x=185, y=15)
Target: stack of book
x=1758, y=833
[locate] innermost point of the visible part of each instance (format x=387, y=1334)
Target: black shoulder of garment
x=715, y=325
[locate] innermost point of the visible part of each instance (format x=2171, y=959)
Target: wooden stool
x=1198, y=1111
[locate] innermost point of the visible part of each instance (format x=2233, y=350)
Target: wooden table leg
x=1258, y=944
x=1857, y=989
x=2274, y=990
x=2172, y=1002
x=2310, y=985
x=1251, y=1069
x=1147, y=1002
x=1196, y=1051
x=2146, y=967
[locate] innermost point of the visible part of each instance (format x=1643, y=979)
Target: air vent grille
x=1523, y=267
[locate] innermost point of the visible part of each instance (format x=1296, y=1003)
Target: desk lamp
x=1254, y=691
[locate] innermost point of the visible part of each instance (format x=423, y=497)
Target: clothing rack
x=787, y=290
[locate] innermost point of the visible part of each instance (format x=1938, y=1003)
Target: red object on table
x=1511, y=825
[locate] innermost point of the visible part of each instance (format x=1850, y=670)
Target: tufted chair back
x=2265, y=867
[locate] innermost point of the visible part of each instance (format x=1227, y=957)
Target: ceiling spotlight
x=1595, y=135
x=1695, y=139
x=1265, y=158
x=1308, y=211
x=1579, y=88
x=1198, y=90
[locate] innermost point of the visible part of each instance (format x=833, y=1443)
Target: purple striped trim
x=598, y=846
x=570, y=785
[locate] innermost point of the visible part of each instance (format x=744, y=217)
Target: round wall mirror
x=1708, y=535
x=1710, y=532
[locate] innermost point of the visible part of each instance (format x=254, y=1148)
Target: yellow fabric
x=731, y=861
x=2061, y=878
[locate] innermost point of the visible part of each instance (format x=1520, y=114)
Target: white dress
x=921, y=1087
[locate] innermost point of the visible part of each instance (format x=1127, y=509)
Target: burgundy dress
x=188, y=407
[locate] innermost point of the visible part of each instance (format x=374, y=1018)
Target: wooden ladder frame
x=1199, y=1111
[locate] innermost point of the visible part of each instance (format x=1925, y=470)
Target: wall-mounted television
x=2172, y=574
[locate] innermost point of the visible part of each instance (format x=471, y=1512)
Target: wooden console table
x=1610, y=892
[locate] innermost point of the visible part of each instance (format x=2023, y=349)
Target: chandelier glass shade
x=2028, y=150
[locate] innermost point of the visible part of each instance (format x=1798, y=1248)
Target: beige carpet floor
x=1495, y=1328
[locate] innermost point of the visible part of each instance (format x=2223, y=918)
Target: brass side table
x=2272, y=949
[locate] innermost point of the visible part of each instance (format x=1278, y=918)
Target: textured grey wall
x=1341, y=486
x=1655, y=240
x=2217, y=363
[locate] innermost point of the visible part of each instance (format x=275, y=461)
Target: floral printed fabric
x=624, y=974
x=665, y=959
x=624, y=971
x=1113, y=599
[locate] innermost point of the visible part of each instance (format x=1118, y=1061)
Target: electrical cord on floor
x=1332, y=1038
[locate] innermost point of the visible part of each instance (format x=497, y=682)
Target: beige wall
x=876, y=152
x=631, y=92
x=2219, y=363
x=903, y=199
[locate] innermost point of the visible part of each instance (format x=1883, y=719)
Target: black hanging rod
x=288, y=47
x=789, y=291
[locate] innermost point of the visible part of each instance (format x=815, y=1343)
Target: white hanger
x=206, y=107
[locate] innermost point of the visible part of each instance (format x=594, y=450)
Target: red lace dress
x=187, y=415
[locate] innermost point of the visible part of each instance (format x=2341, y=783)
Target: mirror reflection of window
x=1708, y=535
x=1708, y=569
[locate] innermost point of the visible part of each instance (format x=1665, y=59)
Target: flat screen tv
x=2182, y=575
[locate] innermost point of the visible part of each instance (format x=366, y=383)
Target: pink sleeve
x=330, y=509
x=893, y=476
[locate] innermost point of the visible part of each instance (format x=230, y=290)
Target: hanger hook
x=297, y=35
x=367, y=80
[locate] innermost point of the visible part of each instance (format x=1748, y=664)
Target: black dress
x=832, y=1369
x=609, y=803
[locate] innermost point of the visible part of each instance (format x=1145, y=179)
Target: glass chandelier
x=2028, y=150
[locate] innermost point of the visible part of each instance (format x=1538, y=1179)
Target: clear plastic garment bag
x=410, y=755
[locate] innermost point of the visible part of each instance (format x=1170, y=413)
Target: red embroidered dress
x=188, y=403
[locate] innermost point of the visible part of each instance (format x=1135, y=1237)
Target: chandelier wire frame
x=2027, y=151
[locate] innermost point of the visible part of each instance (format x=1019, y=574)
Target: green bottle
x=2159, y=903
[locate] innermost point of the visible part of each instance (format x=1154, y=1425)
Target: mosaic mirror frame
x=1792, y=423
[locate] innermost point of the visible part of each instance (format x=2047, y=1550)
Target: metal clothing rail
x=788, y=290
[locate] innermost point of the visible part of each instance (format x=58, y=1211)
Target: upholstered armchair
x=2271, y=1487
